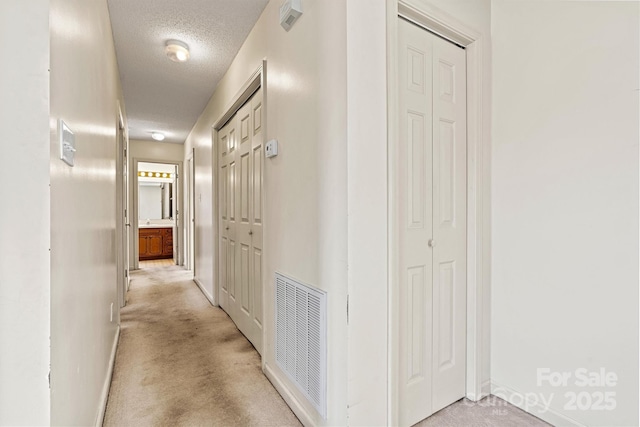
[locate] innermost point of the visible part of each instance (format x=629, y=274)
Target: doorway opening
x=471, y=317
x=122, y=209
x=431, y=222
x=157, y=205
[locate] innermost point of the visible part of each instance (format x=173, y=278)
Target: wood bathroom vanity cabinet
x=155, y=243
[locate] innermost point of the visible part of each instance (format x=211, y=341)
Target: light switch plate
x=67, y=143
x=271, y=148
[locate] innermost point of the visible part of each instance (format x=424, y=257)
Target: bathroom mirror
x=155, y=200
x=156, y=191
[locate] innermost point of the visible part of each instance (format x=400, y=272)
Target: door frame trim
x=257, y=80
x=190, y=203
x=134, y=209
x=122, y=242
x=478, y=193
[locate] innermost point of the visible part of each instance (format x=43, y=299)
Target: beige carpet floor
x=182, y=362
x=489, y=412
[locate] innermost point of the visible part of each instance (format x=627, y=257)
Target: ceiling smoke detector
x=290, y=11
x=177, y=51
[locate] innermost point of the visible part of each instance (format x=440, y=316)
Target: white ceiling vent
x=301, y=338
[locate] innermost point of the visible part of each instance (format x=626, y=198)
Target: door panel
x=241, y=218
x=223, y=205
x=154, y=245
x=257, y=184
x=255, y=217
x=244, y=187
x=142, y=244
x=431, y=200
x=245, y=300
x=231, y=274
x=177, y=216
x=243, y=227
x=257, y=291
x=415, y=196
x=449, y=219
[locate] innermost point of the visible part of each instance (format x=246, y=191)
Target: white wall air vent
x=301, y=338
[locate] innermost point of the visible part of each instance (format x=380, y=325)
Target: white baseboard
x=288, y=397
x=204, y=291
x=485, y=390
x=546, y=414
x=107, y=381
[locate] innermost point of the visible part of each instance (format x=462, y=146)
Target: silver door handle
x=250, y=232
x=432, y=243
x=226, y=228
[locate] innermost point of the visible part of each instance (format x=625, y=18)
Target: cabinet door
x=142, y=243
x=155, y=245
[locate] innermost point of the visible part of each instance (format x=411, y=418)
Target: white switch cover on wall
x=271, y=148
x=67, y=143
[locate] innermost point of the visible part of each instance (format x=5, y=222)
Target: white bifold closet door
x=240, y=151
x=432, y=181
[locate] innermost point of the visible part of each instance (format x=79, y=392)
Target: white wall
x=24, y=218
x=305, y=186
x=85, y=89
x=565, y=193
x=154, y=150
x=367, y=212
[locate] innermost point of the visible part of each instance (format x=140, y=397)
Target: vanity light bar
x=147, y=174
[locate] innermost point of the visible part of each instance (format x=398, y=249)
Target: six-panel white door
x=431, y=216
x=240, y=223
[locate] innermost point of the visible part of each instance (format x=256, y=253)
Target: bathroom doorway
x=157, y=202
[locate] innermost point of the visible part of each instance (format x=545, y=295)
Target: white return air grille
x=301, y=338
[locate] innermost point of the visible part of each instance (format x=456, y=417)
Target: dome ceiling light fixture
x=177, y=51
x=158, y=136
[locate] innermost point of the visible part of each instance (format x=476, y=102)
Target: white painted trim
x=122, y=243
x=478, y=190
x=104, y=396
x=433, y=19
x=216, y=218
x=242, y=96
x=534, y=408
x=204, y=291
x=190, y=204
x=134, y=221
x=290, y=398
x=393, y=332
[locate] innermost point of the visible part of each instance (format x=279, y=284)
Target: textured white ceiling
x=161, y=95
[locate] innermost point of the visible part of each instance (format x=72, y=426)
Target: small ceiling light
x=177, y=51
x=157, y=174
x=164, y=175
x=157, y=136
x=143, y=174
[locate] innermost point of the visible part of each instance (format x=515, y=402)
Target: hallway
x=181, y=361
